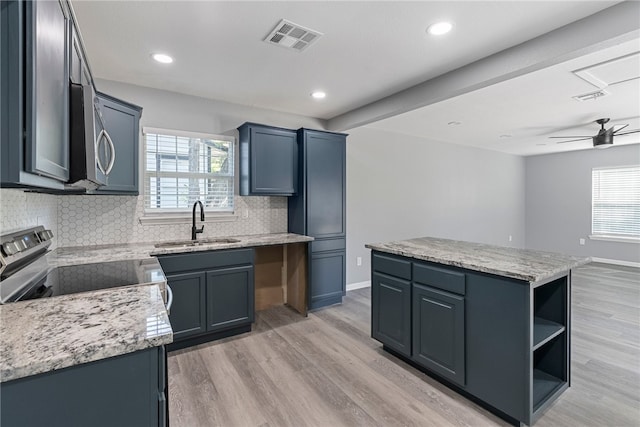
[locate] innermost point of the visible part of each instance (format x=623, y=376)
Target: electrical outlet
x=359, y=261
x=582, y=242
x=245, y=213
x=510, y=238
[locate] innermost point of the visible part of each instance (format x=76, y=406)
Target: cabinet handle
x=169, y=297
x=112, y=160
x=98, y=142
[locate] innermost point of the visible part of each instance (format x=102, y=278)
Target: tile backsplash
x=20, y=210
x=96, y=220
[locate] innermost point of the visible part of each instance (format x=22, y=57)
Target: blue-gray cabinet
x=504, y=342
x=188, y=313
x=318, y=210
x=34, y=112
x=122, y=121
x=127, y=390
x=213, y=294
x=78, y=66
x=390, y=312
x=268, y=160
x=230, y=297
x=438, y=332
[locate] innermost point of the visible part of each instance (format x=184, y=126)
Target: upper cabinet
x=268, y=161
x=121, y=122
x=35, y=93
x=78, y=66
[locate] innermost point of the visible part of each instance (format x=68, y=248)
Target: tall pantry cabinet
x=318, y=210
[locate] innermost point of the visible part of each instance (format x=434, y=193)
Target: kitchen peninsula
x=491, y=322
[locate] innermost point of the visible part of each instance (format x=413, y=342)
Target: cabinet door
x=47, y=90
x=230, y=298
x=268, y=161
x=327, y=273
x=121, y=121
x=188, y=312
x=391, y=312
x=325, y=184
x=438, y=332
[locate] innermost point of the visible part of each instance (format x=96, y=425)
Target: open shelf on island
x=544, y=331
x=544, y=385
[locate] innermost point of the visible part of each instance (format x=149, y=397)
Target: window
x=183, y=167
x=616, y=202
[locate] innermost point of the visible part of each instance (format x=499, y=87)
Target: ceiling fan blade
x=615, y=132
x=572, y=140
x=575, y=136
x=627, y=132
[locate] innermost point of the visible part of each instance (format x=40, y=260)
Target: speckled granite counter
x=46, y=334
x=531, y=266
x=105, y=253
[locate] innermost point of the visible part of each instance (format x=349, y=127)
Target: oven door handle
x=169, y=298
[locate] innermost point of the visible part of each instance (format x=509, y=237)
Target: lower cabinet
x=327, y=272
x=230, y=298
x=213, y=294
x=188, y=314
x=438, y=332
x=127, y=390
x=390, y=317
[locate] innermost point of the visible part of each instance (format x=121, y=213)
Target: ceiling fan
x=604, y=137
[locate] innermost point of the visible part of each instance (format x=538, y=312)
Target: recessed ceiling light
x=439, y=28
x=318, y=94
x=162, y=58
x=506, y=135
x=454, y=123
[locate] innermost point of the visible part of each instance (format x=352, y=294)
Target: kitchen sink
x=202, y=242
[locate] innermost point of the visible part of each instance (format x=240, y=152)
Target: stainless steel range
x=26, y=273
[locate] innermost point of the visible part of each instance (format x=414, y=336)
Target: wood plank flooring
x=325, y=370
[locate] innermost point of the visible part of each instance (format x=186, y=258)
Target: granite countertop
x=116, y=252
x=42, y=335
x=47, y=334
x=523, y=264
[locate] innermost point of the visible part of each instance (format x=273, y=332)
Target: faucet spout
x=194, y=230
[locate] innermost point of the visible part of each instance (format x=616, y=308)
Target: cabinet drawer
x=328, y=245
x=205, y=260
x=391, y=265
x=439, y=278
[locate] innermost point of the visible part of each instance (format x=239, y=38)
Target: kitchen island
x=491, y=322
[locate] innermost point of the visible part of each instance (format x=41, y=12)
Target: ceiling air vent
x=292, y=36
x=591, y=95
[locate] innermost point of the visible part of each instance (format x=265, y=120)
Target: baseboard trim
x=358, y=285
x=608, y=261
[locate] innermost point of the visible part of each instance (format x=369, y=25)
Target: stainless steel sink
x=202, y=242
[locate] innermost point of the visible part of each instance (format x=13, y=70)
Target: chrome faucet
x=194, y=230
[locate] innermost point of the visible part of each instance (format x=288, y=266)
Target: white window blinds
x=616, y=202
x=182, y=167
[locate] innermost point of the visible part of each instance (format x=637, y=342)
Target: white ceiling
x=370, y=50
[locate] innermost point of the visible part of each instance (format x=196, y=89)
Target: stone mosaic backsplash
x=96, y=220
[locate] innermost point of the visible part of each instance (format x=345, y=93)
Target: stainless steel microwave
x=92, y=153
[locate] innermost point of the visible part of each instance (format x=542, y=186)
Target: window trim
x=149, y=217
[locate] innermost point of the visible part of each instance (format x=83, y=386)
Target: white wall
x=400, y=187
x=558, y=202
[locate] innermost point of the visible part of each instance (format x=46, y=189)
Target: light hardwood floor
x=325, y=370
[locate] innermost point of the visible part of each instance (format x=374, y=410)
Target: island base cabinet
x=390, y=314
x=438, y=332
x=126, y=390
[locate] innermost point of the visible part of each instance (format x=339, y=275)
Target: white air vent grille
x=292, y=36
x=591, y=95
